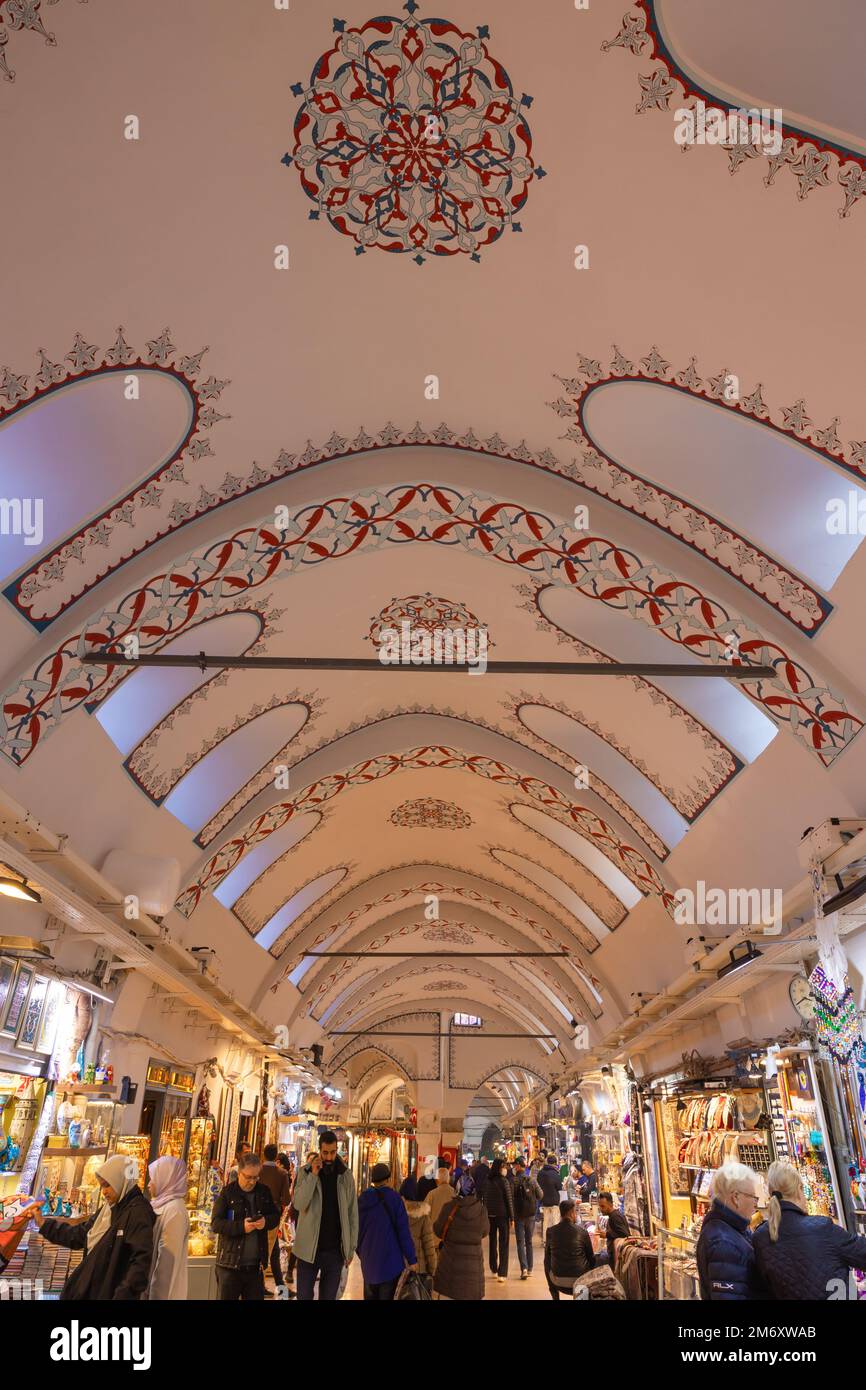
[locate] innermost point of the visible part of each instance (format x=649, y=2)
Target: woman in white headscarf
x=117, y=1240
x=168, y=1190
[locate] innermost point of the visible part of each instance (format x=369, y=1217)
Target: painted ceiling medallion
x=765, y=575
x=410, y=138
x=428, y=814
x=810, y=157
x=427, y=612
x=451, y=933
x=443, y=986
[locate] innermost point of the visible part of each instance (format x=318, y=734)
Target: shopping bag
x=412, y=1287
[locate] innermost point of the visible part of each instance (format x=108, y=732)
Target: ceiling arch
x=496, y=912
x=401, y=930
x=498, y=531
x=634, y=865
x=482, y=980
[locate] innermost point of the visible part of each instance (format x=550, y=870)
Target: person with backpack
x=527, y=1194
x=385, y=1244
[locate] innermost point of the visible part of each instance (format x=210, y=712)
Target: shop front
x=166, y=1109
x=367, y=1147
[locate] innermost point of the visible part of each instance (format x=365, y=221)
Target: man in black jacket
x=617, y=1227
x=243, y=1214
x=568, y=1251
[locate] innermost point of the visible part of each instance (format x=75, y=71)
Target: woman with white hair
x=726, y=1258
x=804, y=1258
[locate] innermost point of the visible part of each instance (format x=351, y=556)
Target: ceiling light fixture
x=19, y=888
x=741, y=955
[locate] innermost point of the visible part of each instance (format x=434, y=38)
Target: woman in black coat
x=118, y=1239
x=804, y=1258
x=499, y=1200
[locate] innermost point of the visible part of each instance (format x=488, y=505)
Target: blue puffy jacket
x=811, y=1253
x=384, y=1238
x=726, y=1257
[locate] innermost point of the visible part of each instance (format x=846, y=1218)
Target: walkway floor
x=535, y=1287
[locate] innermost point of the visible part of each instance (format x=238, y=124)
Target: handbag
x=412, y=1286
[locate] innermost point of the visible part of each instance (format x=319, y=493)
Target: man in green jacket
x=326, y=1231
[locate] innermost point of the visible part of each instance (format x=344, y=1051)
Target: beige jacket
x=442, y=1194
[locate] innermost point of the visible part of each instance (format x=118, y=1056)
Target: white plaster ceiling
x=308, y=391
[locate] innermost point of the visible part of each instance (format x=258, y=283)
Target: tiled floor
x=535, y=1287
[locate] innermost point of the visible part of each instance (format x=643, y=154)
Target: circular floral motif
x=451, y=933
x=427, y=612
x=428, y=814
x=410, y=138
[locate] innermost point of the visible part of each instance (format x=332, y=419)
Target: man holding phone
x=326, y=1231
x=243, y=1214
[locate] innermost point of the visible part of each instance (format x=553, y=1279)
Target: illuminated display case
x=21, y=1102
x=138, y=1147
x=85, y=1120
x=201, y=1139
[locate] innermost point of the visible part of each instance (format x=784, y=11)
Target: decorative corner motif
x=75, y=564
x=810, y=157
x=411, y=139
x=22, y=16
x=763, y=574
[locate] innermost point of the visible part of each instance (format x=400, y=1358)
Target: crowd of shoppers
x=429, y=1238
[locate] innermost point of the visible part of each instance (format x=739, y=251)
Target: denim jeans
x=245, y=1285
x=523, y=1228
x=329, y=1267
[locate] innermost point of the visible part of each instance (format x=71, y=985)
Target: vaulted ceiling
x=433, y=319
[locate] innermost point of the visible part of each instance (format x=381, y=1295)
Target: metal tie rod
x=203, y=663
x=442, y=955
x=366, y=1033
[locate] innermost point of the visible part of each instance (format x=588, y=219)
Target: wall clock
x=801, y=996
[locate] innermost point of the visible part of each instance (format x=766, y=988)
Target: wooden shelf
x=106, y=1091
x=73, y=1153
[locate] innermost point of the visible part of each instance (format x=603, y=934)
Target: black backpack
x=524, y=1199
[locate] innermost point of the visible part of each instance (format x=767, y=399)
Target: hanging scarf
x=120, y=1172
x=168, y=1180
